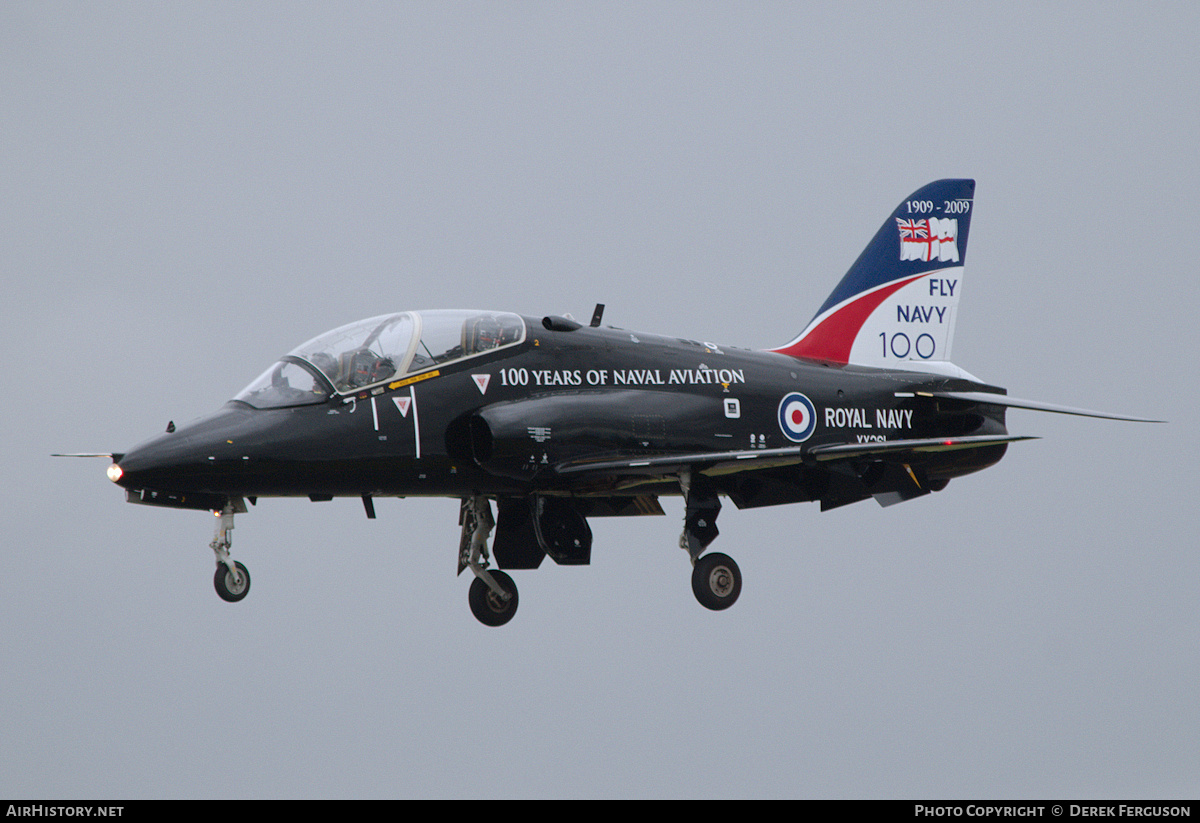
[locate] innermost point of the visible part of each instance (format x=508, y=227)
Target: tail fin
x=896, y=306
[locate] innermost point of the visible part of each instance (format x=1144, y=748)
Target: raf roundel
x=797, y=417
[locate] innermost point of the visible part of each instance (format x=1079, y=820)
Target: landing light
x=114, y=473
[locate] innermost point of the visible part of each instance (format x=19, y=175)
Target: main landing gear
x=232, y=580
x=716, y=579
x=493, y=594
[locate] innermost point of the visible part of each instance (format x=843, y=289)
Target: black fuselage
x=501, y=424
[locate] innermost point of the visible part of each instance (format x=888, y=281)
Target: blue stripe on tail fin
x=897, y=304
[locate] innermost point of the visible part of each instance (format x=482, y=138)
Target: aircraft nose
x=183, y=460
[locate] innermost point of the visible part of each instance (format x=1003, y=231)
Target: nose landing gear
x=232, y=580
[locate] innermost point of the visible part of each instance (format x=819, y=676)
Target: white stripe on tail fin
x=897, y=305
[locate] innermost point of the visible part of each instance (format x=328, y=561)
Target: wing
x=836, y=474
x=731, y=462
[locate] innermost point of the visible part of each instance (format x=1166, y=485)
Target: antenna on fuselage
x=597, y=314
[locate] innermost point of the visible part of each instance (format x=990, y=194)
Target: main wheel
x=716, y=581
x=488, y=607
x=230, y=587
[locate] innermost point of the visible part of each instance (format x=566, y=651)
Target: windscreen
x=286, y=383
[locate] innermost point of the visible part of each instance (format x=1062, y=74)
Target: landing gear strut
x=493, y=594
x=716, y=579
x=232, y=580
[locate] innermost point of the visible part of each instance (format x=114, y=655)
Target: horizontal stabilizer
x=992, y=399
x=930, y=444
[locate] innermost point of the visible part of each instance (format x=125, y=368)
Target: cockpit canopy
x=372, y=351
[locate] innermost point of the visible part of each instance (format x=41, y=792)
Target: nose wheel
x=232, y=584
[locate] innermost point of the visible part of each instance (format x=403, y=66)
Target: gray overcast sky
x=189, y=190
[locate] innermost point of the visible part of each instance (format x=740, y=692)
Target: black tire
x=716, y=581
x=488, y=608
x=229, y=588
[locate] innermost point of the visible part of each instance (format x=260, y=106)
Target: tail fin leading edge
x=896, y=306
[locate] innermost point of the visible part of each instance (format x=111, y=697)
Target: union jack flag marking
x=912, y=229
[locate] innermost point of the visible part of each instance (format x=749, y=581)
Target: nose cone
x=194, y=458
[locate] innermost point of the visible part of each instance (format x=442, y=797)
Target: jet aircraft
x=556, y=422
